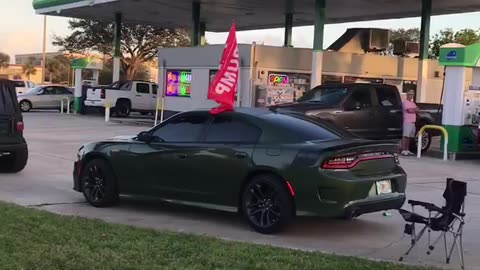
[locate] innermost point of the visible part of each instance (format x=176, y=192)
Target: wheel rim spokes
x=95, y=183
x=263, y=206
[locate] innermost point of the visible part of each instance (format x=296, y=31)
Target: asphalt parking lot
x=46, y=184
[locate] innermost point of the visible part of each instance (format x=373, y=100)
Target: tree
x=464, y=36
x=105, y=78
x=4, y=60
x=29, y=70
x=411, y=34
x=57, y=69
x=139, y=43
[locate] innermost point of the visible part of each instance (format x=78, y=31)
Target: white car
x=23, y=86
x=123, y=97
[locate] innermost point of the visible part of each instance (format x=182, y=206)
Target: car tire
x=16, y=162
x=426, y=142
x=267, y=204
x=123, y=108
x=99, y=184
x=25, y=105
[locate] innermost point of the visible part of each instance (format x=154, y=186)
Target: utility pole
x=44, y=58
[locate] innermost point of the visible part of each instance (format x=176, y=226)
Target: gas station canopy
x=248, y=14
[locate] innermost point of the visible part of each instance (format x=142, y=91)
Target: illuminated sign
x=179, y=83
x=278, y=79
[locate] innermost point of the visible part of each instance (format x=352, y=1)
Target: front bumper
x=77, y=168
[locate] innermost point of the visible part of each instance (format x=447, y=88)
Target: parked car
x=46, y=97
x=13, y=147
x=22, y=86
x=267, y=165
x=124, y=97
x=372, y=111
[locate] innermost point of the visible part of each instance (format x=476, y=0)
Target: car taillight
x=346, y=162
x=19, y=127
x=102, y=93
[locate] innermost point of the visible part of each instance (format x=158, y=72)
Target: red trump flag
x=223, y=87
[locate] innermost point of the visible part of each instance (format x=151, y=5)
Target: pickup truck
x=23, y=86
x=371, y=111
x=124, y=97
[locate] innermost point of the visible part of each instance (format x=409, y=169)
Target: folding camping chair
x=447, y=220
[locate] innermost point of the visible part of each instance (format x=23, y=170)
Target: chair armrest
x=429, y=206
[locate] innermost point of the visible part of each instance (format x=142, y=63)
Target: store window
x=178, y=83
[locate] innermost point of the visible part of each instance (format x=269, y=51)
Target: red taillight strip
x=291, y=189
x=354, y=163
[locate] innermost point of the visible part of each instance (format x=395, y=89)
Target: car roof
x=352, y=85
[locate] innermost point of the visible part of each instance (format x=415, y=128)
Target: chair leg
x=460, y=246
x=432, y=246
x=414, y=242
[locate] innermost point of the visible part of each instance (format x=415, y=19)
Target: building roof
x=248, y=14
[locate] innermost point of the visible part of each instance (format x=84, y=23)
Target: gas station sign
x=179, y=83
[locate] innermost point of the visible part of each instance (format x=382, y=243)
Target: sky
x=21, y=30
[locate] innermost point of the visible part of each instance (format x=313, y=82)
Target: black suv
x=13, y=147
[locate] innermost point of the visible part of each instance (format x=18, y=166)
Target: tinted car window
x=226, y=129
x=19, y=83
x=154, y=89
x=325, y=95
x=48, y=91
x=387, y=97
x=8, y=99
x=360, y=98
x=183, y=128
x=143, y=88
x=307, y=129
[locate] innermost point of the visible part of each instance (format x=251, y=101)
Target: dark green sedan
x=269, y=166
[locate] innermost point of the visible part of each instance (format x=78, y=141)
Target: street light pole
x=44, y=57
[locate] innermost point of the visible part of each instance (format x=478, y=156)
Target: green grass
x=33, y=239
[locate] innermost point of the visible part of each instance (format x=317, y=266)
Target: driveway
x=46, y=184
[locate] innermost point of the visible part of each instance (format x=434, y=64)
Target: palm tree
x=4, y=60
x=29, y=70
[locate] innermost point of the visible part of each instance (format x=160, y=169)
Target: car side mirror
x=145, y=136
x=40, y=92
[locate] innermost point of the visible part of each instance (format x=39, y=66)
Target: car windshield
x=327, y=95
x=34, y=90
x=19, y=83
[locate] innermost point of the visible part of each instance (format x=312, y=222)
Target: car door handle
x=138, y=95
x=241, y=154
x=182, y=156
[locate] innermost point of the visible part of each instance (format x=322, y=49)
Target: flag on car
x=223, y=87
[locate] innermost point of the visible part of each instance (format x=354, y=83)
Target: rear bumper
x=94, y=103
x=8, y=149
x=355, y=209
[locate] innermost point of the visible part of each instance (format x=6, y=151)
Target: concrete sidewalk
x=47, y=184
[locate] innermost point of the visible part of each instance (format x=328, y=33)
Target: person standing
x=410, y=110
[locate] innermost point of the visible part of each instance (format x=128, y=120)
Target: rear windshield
x=305, y=128
x=19, y=83
x=8, y=98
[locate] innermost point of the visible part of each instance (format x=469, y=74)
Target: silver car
x=45, y=97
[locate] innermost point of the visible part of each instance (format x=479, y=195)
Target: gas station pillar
x=196, y=23
x=203, y=28
x=117, y=54
x=317, y=57
x=288, y=30
x=423, y=55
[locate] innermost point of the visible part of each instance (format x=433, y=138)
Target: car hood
x=124, y=138
x=302, y=106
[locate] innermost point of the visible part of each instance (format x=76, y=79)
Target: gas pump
x=461, y=108
x=88, y=63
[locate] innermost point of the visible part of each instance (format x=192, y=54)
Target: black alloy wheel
x=99, y=184
x=267, y=204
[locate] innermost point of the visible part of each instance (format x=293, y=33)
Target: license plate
x=384, y=187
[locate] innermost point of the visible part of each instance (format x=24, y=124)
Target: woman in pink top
x=410, y=110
